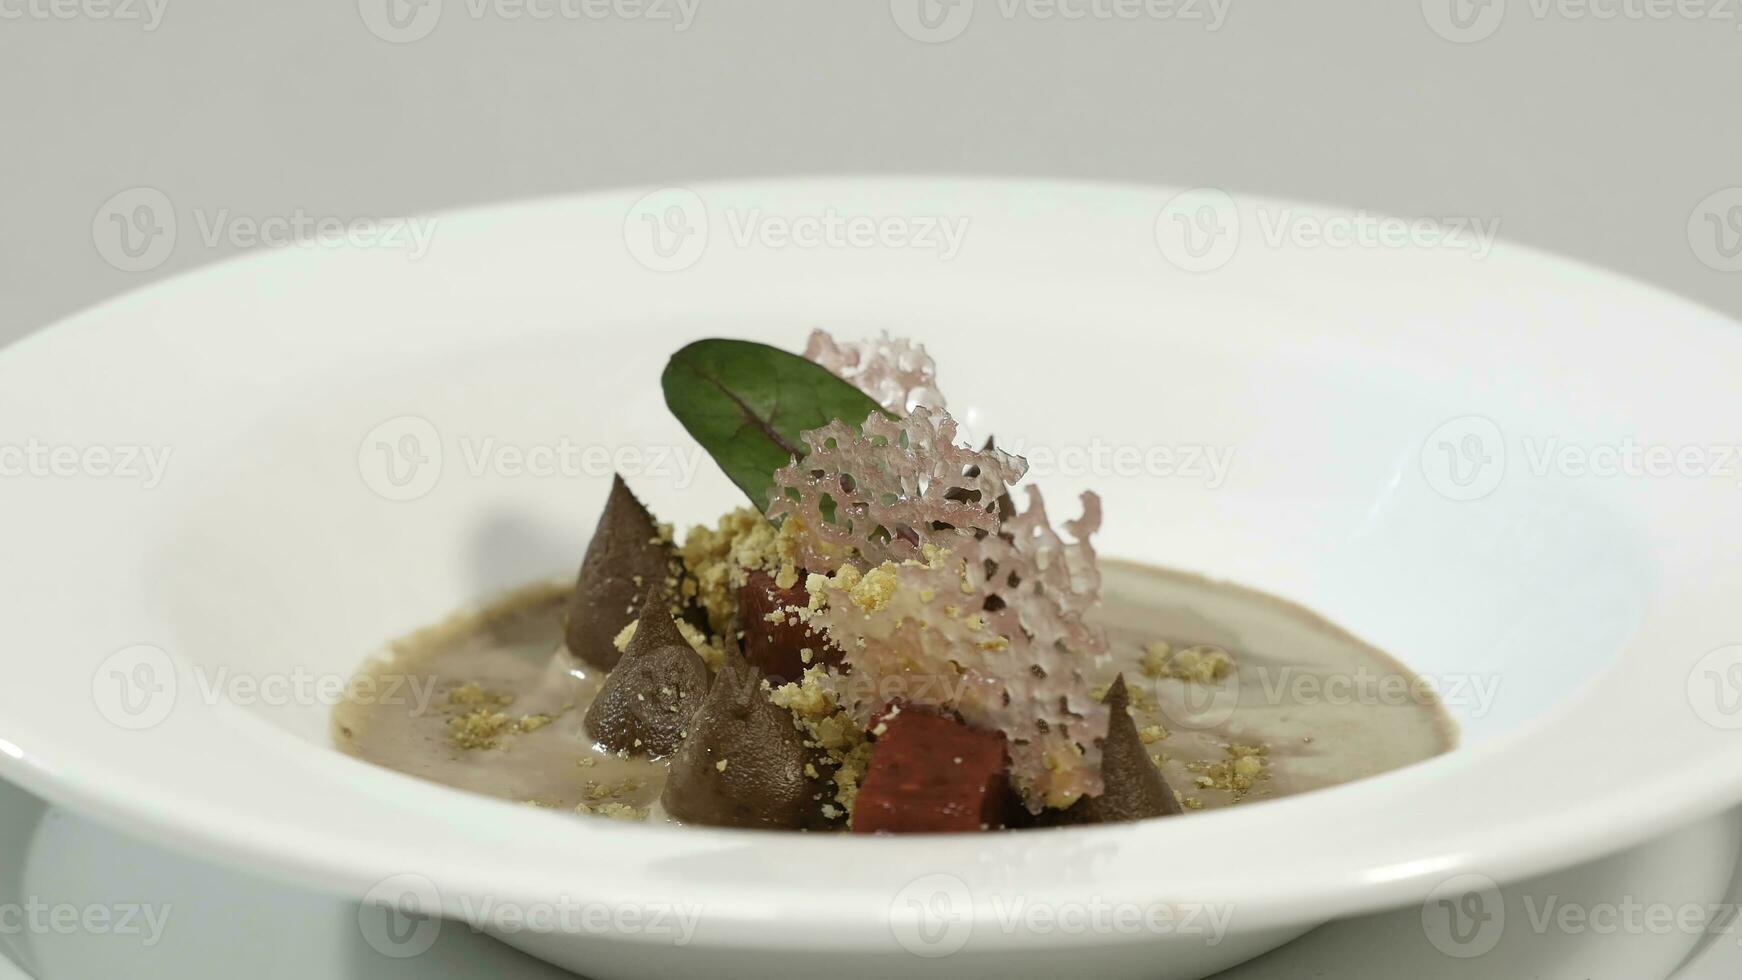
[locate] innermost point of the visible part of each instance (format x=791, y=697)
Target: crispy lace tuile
x=876, y=497
x=894, y=371
x=945, y=605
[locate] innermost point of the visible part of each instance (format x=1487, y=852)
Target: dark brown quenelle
x=626, y=556
x=647, y=701
x=743, y=764
x=1134, y=788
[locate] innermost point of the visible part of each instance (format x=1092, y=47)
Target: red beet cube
x=778, y=647
x=931, y=774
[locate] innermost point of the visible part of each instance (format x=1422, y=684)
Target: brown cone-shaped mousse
x=932, y=774
x=1134, y=787
x=778, y=648
x=647, y=702
x=625, y=558
x=743, y=762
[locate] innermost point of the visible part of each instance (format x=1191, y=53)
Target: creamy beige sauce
x=1327, y=708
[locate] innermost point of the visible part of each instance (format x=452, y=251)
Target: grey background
x=1599, y=137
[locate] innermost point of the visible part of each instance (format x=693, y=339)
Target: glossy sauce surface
x=1323, y=707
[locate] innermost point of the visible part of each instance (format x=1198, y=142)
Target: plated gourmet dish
x=894, y=637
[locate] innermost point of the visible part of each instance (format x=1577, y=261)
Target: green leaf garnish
x=746, y=403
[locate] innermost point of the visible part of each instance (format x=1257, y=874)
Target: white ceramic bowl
x=1399, y=414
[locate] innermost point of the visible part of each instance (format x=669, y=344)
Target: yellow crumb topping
x=479, y=728
x=876, y=588
x=615, y=811
x=1244, y=767
x=628, y=786
x=1202, y=664
x=828, y=727
x=717, y=558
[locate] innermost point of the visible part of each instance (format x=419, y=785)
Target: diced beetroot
x=778, y=648
x=931, y=774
